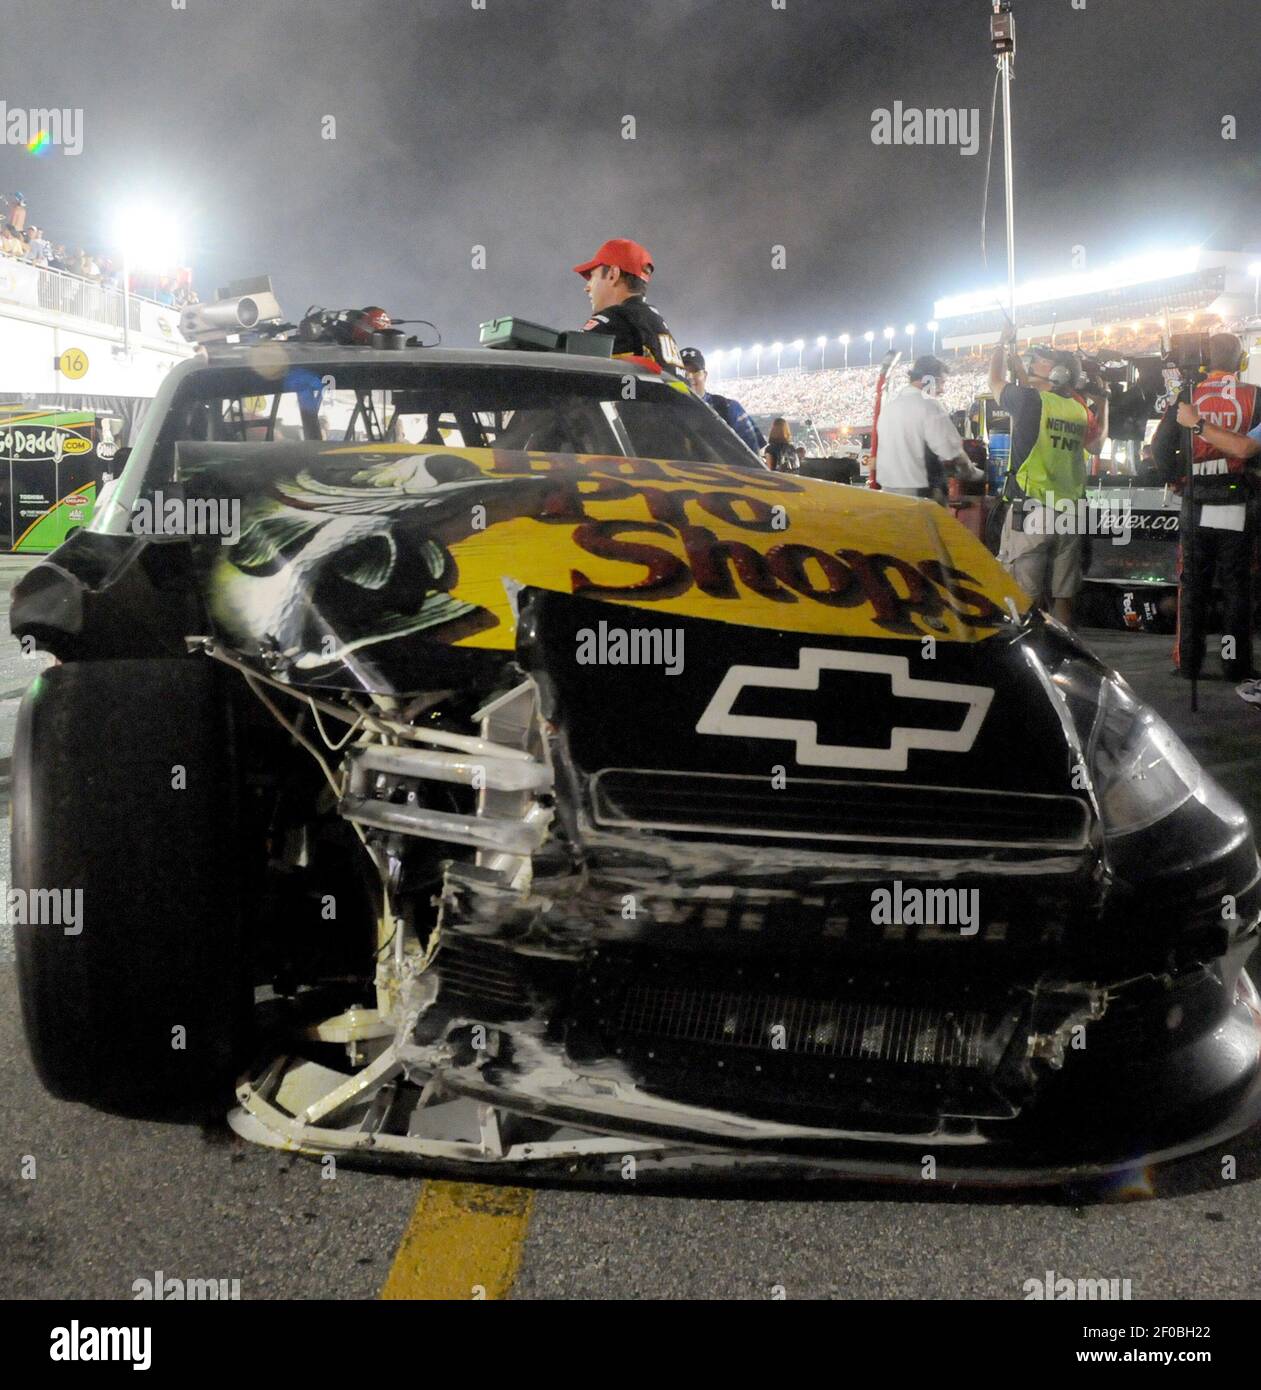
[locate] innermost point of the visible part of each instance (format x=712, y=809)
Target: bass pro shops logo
x=719, y=717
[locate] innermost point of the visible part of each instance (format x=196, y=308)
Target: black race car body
x=671, y=811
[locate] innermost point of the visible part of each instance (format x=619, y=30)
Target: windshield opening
x=460, y=406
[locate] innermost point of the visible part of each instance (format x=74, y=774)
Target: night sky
x=502, y=128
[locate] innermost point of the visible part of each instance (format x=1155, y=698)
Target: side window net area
x=470, y=407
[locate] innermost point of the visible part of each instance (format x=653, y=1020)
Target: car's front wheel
x=126, y=892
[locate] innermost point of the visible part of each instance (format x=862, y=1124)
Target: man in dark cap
x=617, y=276
x=730, y=412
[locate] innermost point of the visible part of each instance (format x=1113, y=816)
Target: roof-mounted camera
x=242, y=307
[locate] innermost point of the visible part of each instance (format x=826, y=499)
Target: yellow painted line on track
x=463, y=1241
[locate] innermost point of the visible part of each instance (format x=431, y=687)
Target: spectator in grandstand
x=915, y=430
x=11, y=243
x=835, y=396
x=37, y=248
x=732, y=412
x=1048, y=470
x=1223, y=529
x=779, y=455
x=15, y=211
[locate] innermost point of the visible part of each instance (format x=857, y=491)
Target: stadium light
x=1255, y=271
x=932, y=325
x=799, y=346
x=756, y=350
x=844, y=342
x=737, y=353
x=889, y=334
x=822, y=344
x=871, y=337
x=910, y=333
x=1134, y=270
x=149, y=239
x=777, y=349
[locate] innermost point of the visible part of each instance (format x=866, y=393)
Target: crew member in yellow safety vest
x=1050, y=429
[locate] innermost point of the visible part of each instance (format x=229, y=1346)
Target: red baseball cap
x=628, y=256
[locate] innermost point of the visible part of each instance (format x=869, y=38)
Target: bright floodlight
x=799, y=344
x=1157, y=265
x=910, y=329
x=1255, y=270
x=757, y=347
x=820, y=341
x=869, y=335
x=932, y=325
x=149, y=237
x=777, y=347
x=843, y=340
x=890, y=333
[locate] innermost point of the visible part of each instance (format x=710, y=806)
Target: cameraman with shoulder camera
x=1092, y=391
x=1049, y=429
x=1221, y=412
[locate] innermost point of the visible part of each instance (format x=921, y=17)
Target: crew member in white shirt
x=913, y=429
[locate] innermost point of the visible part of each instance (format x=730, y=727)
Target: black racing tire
x=98, y=811
x=994, y=522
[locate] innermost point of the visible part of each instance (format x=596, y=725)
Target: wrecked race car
x=523, y=782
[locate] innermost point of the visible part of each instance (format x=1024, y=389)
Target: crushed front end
x=693, y=952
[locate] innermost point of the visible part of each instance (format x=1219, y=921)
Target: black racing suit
x=638, y=330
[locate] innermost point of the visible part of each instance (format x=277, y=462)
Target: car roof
x=329, y=354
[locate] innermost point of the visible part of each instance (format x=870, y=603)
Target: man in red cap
x=617, y=276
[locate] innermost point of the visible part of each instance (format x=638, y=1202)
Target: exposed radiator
x=857, y=1031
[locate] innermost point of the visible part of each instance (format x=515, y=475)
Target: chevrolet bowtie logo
x=718, y=718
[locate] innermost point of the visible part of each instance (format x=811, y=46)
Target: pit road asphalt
x=113, y=1201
